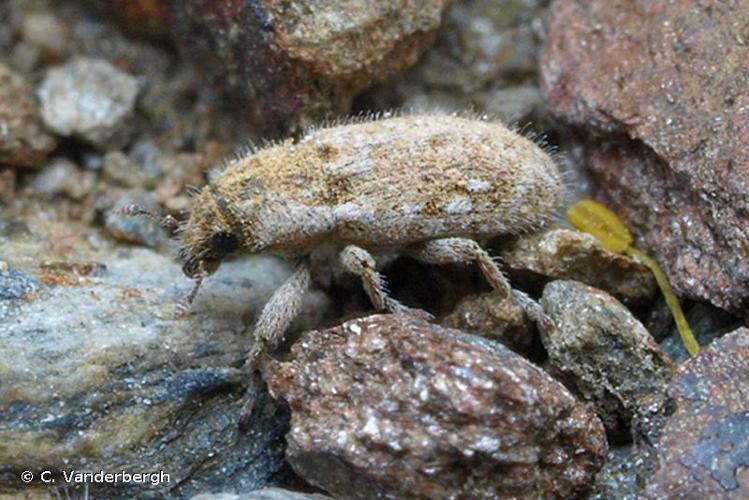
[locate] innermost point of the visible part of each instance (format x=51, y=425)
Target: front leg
x=275, y=318
x=278, y=313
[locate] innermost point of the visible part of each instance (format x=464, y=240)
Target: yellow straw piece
x=594, y=218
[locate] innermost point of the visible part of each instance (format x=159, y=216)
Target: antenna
x=167, y=221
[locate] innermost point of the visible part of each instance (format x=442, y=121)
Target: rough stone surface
x=23, y=141
x=707, y=323
x=484, y=59
x=494, y=318
x=667, y=83
x=264, y=494
x=286, y=62
x=390, y=406
x=567, y=254
x=62, y=176
x=603, y=352
x=617, y=479
x=140, y=230
x=694, y=442
x=98, y=373
x=91, y=99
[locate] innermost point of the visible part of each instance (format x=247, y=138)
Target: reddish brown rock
x=695, y=442
x=282, y=63
x=390, y=406
x=23, y=141
x=665, y=83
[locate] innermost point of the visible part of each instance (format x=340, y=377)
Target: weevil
x=424, y=185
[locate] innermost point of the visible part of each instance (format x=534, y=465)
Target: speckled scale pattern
x=389, y=183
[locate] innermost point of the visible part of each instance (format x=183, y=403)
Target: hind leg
x=463, y=250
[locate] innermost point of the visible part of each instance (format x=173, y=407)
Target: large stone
x=602, y=352
x=282, y=63
x=665, y=84
x=694, y=442
x=23, y=141
x=98, y=373
x=390, y=406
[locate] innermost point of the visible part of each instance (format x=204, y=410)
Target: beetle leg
x=464, y=250
x=360, y=263
x=275, y=318
x=279, y=312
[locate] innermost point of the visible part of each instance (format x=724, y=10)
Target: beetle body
x=379, y=184
x=426, y=185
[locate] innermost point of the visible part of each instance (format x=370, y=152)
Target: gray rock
x=390, y=406
x=603, y=352
x=23, y=141
x=62, y=176
x=264, y=494
x=90, y=99
x=98, y=373
x=484, y=59
x=693, y=442
x=707, y=323
x=120, y=169
x=14, y=286
x=140, y=230
x=617, y=478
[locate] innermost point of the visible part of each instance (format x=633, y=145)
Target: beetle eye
x=223, y=243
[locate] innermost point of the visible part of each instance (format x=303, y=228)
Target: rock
x=661, y=87
x=707, y=323
x=7, y=185
x=46, y=34
x=62, y=176
x=389, y=406
x=264, y=494
x=494, y=318
x=568, y=254
x=283, y=63
x=120, y=169
x=14, y=287
x=484, y=59
x=617, y=478
x=97, y=373
x=90, y=99
x=694, y=441
x=23, y=141
x=139, y=230
x=602, y=352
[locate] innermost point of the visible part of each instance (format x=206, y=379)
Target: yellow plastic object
x=594, y=218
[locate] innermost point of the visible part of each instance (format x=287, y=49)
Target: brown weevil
x=425, y=185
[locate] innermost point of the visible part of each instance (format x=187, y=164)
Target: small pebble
x=23, y=141
x=140, y=230
x=494, y=318
x=90, y=99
